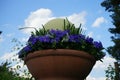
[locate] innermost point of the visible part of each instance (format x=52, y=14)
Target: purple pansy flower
x=33, y=39
x=89, y=40
x=74, y=38
x=98, y=45
x=24, y=50
x=27, y=48
x=58, y=33
x=44, y=39
x=82, y=37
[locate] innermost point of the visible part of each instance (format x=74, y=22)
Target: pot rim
x=59, y=52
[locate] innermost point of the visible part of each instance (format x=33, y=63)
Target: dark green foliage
x=113, y=6
x=72, y=28
x=6, y=73
x=110, y=73
x=0, y=32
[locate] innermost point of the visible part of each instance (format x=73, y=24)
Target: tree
x=110, y=73
x=0, y=32
x=7, y=74
x=113, y=6
x=12, y=70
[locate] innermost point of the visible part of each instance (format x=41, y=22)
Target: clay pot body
x=59, y=64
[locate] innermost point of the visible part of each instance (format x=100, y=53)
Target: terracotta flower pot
x=59, y=64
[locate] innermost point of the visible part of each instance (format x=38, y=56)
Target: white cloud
x=100, y=67
x=8, y=56
x=78, y=19
x=10, y=34
x=103, y=65
x=90, y=34
x=95, y=78
x=13, y=58
x=37, y=18
x=99, y=21
x=41, y=16
x=24, y=39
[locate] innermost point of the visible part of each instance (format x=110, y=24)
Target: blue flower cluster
x=50, y=37
x=54, y=39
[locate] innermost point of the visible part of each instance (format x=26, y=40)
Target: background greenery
x=113, y=7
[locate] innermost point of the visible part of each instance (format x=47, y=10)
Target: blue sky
x=22, y=13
